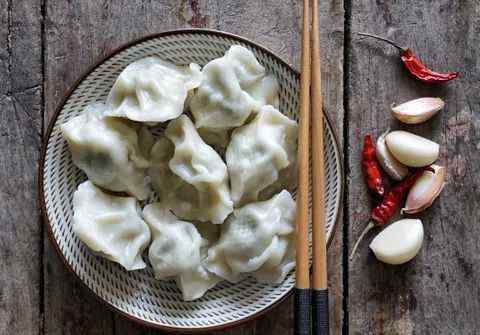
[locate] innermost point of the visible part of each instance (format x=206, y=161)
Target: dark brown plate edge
x=41, y=198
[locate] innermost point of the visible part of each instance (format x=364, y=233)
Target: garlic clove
x=399, y=242
x=412, y=150
x=425, y=190
x=389, y=163
x=418, y=110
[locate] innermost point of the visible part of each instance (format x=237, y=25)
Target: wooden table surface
x=47, y=44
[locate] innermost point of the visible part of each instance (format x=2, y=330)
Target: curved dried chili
x=415, y=66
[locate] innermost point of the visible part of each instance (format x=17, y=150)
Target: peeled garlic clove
x=412, y=150
x=418, y=110
x=390, y=164
x=399, y=242
x=425, y=190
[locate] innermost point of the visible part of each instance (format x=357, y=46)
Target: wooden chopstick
x=307, y=300
x=320, y=313
x=302, y=308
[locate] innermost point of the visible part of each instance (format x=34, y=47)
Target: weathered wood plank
x=20, y=129
x=78, y=33
x=437, y=293
x=277, y=26
x=331, y=21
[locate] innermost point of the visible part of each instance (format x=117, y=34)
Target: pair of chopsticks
x=311, y=300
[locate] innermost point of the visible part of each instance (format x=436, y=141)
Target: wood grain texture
x=302, y=269
x=331, y=16
x=20, y=138
x=77, y=34
x=437, y=292
x=319, y=247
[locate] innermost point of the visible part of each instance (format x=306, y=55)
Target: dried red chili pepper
x=371, y=168
x=421, y=72
x=384, y=211
x=389, y=205
x=415, y=66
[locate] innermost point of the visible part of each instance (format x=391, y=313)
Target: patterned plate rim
x=46, y=138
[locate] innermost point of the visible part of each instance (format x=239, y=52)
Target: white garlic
x=412, y=150
x=390, y=164
x=425, y=190
x=418, y=110
x=399, y=242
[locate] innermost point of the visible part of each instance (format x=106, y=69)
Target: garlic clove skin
x=399, y=242
x=418, y=110
x=412, y=150
x=425, y=190
x=389, y=163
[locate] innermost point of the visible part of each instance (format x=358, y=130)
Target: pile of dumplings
x=213, y=185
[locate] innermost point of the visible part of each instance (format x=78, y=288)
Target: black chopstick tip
x=302, y=311
x=320, y=315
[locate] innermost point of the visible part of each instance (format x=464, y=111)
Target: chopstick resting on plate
x=309, y=300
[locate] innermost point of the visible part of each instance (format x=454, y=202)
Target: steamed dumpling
x=199, y=165
x=257, y=153
x=233, y=86
x=220, y=102
x=181, y=197
x=110, y=226
x=152, y=90
x=194, y=183
x=252, y=76
x=108, y=151
x=177, y=251
x=258, y=239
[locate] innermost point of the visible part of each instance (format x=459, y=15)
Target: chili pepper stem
x=365, y=231
x=392, y=43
